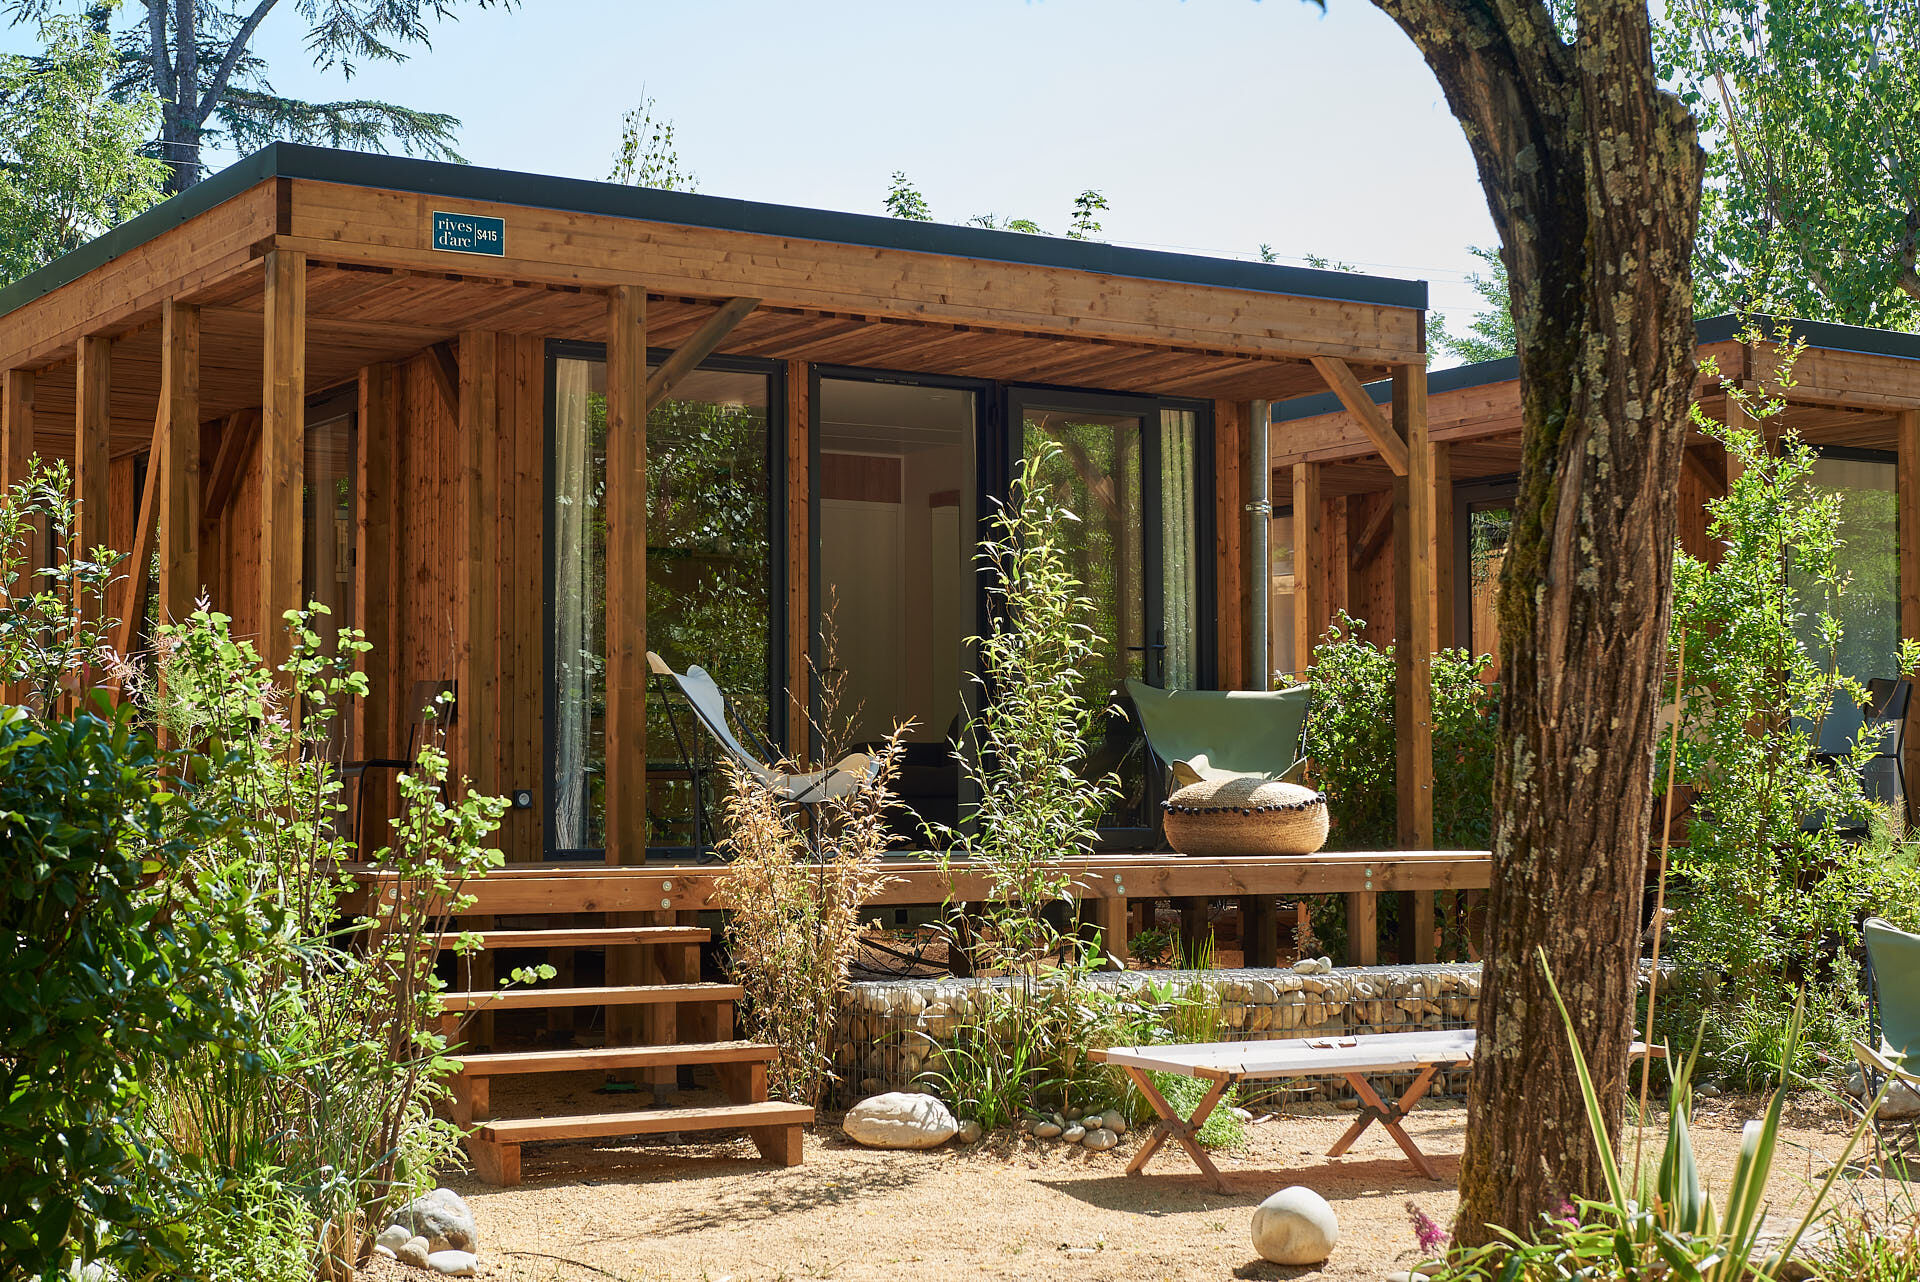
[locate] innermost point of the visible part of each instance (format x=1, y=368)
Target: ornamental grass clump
x=798, y=879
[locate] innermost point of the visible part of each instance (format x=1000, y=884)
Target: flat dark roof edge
x=578, y=195
x=1824, y=335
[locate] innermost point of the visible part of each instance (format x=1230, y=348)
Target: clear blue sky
x=1210, y=125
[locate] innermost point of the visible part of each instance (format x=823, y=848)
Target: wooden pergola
x=1850, y=387
x=192, y=343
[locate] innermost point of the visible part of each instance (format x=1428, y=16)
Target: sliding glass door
x=711, y=522
x=1132, y=471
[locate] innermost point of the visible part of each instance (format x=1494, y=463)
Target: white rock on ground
x=394, y=1236
x=899, y=1120
x=1901, y=1103
x=1295, y=1226
x=384, y=1252
x=1074, y=1134
x=1114, y=1121
x=442, y=1218
x=969, y=1132
x=413, y=1251
x=1100, y=1140
x=455, y=1264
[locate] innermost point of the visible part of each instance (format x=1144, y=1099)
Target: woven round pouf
x=1246, y=815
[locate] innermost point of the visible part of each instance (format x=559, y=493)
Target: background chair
x=1893, y=1009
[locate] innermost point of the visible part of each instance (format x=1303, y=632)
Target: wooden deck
x=1108, y=881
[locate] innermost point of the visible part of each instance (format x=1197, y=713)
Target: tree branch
x=217, y=86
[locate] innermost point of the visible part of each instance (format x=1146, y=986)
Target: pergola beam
x=1340, y=377
x=283, y=432
x=176, y=456
x=703, y=343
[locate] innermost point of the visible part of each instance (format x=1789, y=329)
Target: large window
x=1869, y=608
x=710, y=586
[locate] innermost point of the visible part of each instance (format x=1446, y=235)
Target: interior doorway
x=895, y=506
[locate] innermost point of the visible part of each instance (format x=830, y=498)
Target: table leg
x=1171, y=1125
x=1373, y=1108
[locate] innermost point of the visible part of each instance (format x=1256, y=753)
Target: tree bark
x=1592, y=174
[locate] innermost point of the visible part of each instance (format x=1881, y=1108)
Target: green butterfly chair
x=1893, y=992
x=1198, y=733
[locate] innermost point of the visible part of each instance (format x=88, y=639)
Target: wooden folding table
x=1354, y=1058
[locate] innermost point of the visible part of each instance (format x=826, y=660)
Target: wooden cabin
x=522, y=429
x=1854, y=396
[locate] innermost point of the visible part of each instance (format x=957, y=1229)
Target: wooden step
x=579, y=937
x=627, y=995
x=646, y=1121
x=505, y=1063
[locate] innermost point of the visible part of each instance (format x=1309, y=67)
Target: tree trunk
x=1593, y=177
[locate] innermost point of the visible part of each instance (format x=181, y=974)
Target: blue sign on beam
x=470, y=234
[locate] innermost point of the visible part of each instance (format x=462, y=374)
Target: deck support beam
x=177, y=458
x=1310, y=614
x=1413, y=535
x=92, y=421
x=478, y=678
x=283, y=431
x=626, y=624
x=799, y=561
x=1907, y=489
x=1386, y=437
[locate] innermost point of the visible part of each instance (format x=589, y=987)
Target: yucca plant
x=1666, y=1226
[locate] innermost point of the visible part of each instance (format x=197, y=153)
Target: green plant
x=1222, y=1128
x=54, y=637
x=1350, y=742
x=1770, y=888
x=1035, y=728
x=1660, y=1223
x=101, y=983
x=1153, y=946
x=334, y=1094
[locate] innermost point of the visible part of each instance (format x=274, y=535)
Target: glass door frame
x=1007, y=451
x=1478, y=493
x=779, y=425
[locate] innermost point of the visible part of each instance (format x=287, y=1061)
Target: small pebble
x=1114, y=1121
x=1100, y=1140
x=413, y=1251
x=969, y=1132
x=454, y=1264
x=1047, y=1130
x=1074, y=1134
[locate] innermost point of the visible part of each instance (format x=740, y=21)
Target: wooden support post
x=1444, y=582
x=132, y=604
x=1363, y=927
x=626, y=576
x=283, y=430
x=1194, y=927
x=92, y=422
x=178, y=459
x=1228, y=522
x=1907, y=491
x=1110, y=915
x=480, y=558
x=1309, y=565
x=799, y=561
x=379, y=720
x=1413, y=611
x=1260, y=930
x=16, y=460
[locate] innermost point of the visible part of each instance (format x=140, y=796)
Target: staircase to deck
x=658, y=1031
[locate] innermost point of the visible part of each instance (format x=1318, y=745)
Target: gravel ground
x=1009, y=1208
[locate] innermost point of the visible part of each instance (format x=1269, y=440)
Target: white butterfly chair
x=809, y=788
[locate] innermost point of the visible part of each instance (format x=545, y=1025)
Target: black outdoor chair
x=1884, y=777
x=425, y=698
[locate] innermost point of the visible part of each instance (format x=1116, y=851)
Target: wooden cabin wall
x=497, y=738
x=1370, y=583
x=233, y=537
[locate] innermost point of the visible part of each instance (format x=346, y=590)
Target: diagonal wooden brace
x=1374, y=1109
x=1185, y=1130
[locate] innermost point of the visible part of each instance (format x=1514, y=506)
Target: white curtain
x=576, y=622
x=1179, y=555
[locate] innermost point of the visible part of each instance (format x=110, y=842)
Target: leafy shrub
x=1351, y=742
x=333, y=1095
x=101, y=983
x=1152, y=946
x=1770, y=891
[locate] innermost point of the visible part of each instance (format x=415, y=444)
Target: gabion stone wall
x=887, y=1029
